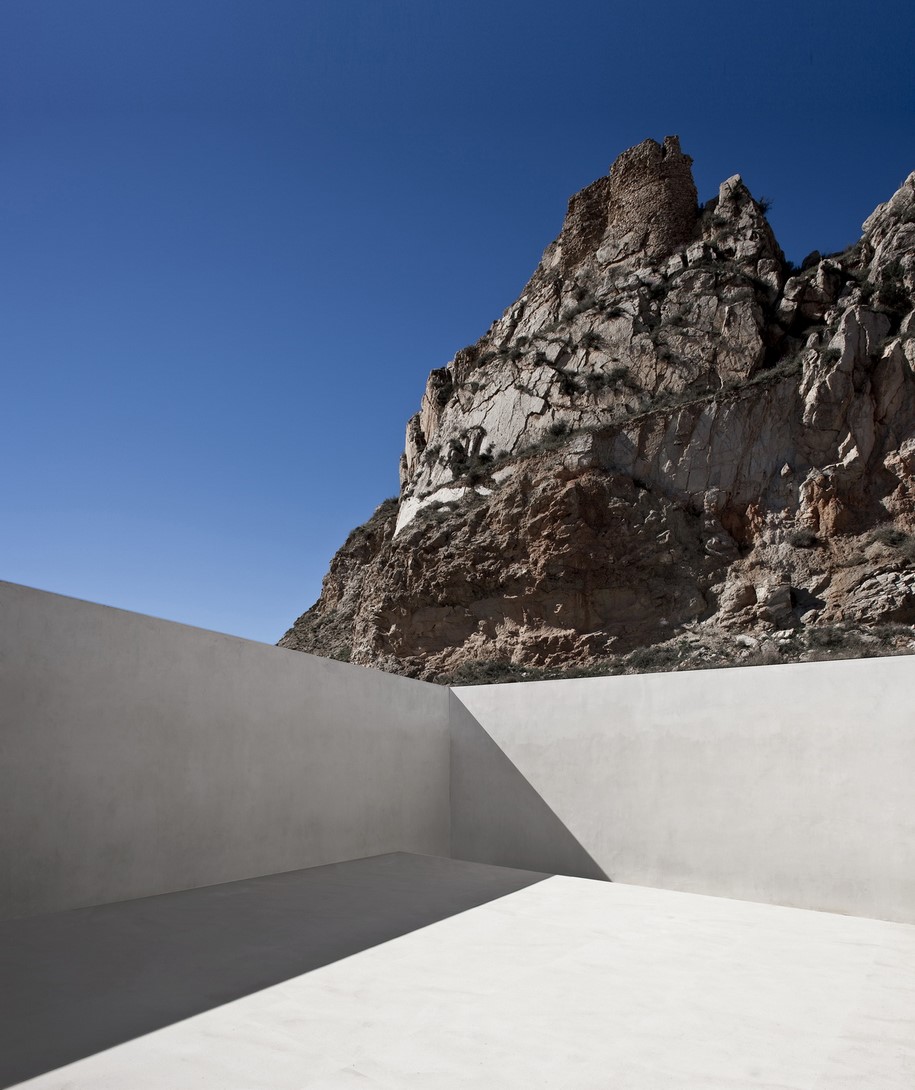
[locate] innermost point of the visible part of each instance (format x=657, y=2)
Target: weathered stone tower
x=646, y=207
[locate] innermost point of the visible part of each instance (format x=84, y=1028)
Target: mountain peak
x=670, y=439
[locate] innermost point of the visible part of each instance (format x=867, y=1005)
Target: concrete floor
x=75, y=983
x=561, y=982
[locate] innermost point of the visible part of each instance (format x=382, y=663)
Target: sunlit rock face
x=671, y=439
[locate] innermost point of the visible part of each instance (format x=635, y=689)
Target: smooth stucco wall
x=139, y=756
x=788, y=784
x=497, y=817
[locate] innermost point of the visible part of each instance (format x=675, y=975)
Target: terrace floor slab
x=548, y=983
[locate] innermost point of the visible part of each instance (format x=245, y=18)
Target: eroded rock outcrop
x=671, y=438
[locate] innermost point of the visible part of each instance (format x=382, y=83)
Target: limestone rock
x=669, y=434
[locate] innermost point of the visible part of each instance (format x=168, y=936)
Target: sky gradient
x=237, y=235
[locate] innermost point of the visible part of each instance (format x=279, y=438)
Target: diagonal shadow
x=74, y=983
x=497, y=816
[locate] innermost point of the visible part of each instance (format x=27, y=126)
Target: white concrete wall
x=788, y=784
x=497, y=816
x=139, y=756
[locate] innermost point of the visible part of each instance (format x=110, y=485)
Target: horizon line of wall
x=140, y=756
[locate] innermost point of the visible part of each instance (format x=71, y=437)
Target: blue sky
x=236, y=235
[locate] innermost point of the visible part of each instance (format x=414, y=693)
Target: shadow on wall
x=74, y=983
x=497, y=816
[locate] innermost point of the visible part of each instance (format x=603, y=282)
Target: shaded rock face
x=670, y=436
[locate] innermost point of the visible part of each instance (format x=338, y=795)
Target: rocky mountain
x=674, y=449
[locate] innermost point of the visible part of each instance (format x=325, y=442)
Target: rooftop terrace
x=225, y=864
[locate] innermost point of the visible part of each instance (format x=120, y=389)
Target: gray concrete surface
x=566, y=984
x=786, y=784
x=496, y=815
x=75, y=983
x=139, y=756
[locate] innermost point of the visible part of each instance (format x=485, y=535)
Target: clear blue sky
x=235, y=236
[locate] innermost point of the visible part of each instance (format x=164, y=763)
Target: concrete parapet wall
x=138, y=756
x=788, y=784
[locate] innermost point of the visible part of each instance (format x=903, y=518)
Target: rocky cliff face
x=673, y=449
